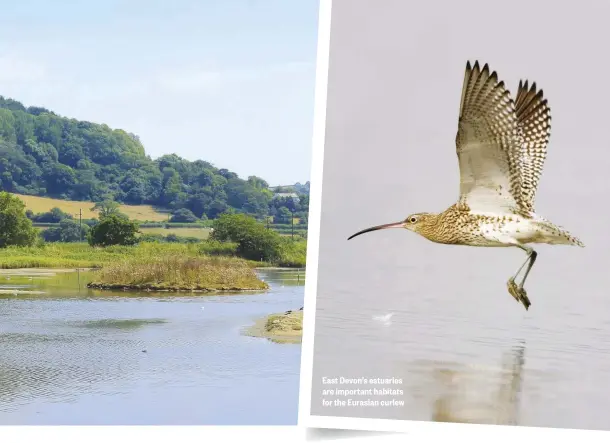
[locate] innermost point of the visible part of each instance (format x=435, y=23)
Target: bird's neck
x=429, y=225
x=437, y=228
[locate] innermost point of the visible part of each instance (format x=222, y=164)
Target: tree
x=258, y=182
x=304, y=202
x=216, y=208
x=68, y=231
x=106, y=208
x=55, y=215
x=114, y=230
x=283, y=215
x=183, y=216
x=59, y=179
x=15, y=228
x=172, y=186
x=254, y=240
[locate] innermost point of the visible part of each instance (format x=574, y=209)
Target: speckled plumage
x=501, y=146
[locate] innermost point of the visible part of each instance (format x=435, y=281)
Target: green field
x=135, y=212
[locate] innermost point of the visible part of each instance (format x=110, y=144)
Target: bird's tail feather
x=561, y=235
x=577, y=242
x=573, y=240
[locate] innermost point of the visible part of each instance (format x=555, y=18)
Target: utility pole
x=292, y=220
x=80, y=224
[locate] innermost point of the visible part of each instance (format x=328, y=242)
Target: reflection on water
x=131, y=323
x=485, y=395
x=71, y=355
x=465, y=352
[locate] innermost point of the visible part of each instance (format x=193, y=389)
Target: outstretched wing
x=534, y=121
x=488, y=142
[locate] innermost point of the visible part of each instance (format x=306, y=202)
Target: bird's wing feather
x=534, y=120
x=487, y=143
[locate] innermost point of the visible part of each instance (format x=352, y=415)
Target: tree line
x=44, y=154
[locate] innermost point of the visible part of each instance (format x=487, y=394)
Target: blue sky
x=227, y=81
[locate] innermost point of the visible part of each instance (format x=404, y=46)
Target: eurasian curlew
x=501, y=146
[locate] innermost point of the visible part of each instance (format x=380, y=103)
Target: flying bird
x=501, y=147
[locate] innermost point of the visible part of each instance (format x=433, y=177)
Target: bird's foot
x=524, y=299
x=518, y=293
x=513, y=289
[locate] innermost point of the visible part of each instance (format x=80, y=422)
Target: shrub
x=15, y=228
x=55, y=215
x=67, y=231
x=114, y=230
x=254, y=240
x=183, y=216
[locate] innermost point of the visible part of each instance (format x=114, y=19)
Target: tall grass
x=199, y=233
x=214, y=247
x=177, y=272
x=81, y=255
x=293, y=254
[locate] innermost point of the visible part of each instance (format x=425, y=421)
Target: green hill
x=46, y=155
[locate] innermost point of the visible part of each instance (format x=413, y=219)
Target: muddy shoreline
x=153, y=288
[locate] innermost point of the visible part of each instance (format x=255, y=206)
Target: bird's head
x=420, y=223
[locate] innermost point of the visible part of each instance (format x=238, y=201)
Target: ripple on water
x=73, y=345
x=114, y=323
x=59, y=367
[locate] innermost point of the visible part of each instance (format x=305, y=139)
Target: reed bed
x=180, y=273
x=81, y=255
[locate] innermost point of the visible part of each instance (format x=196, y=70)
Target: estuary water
x=75, y=356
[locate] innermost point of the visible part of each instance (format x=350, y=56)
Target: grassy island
x=280, y=328
x=180, y=273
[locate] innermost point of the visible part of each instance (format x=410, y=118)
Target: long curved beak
x=399, y=224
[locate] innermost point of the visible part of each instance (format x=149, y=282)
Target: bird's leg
x=527, y=260
x=517, y=291
x=513, y=289
x=532, y=259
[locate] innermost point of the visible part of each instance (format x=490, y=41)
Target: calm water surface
x=465, y=350
x=75, y=356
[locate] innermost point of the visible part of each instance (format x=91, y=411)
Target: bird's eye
x=412, y=219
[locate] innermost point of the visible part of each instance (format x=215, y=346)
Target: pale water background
x=74, y=356
x=464, y=348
